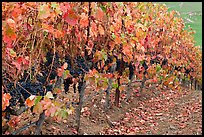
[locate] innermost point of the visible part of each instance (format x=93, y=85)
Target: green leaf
x=160, y=77
x=37, y=99
x=142, y=62
x=103, y=8
x=113, y=36
x=115, y=85
x=104, y=55
x=121, y=4
x=66, y=74
x=158, y=68
x=54, y=5
x=122, y=35
x=44, y=11
x=63, y=113
x=45, y=33
x=12, y=53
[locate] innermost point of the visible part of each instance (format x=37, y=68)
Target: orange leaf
x=126, y=50
x=117, y=39
x=112, y=45
x=58, y=34
x=57, y=90
x=93, y=29
x=84, y=20
x=99, y=14
x=5, y=100
x=48, y=28
x=30, y=101
x=109, y=75
x=101, y=30
x=122, y=88
x=92, y=72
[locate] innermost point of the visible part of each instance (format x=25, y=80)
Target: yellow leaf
x=38, y=109
x=49, y=95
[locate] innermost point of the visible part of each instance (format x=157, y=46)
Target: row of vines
x=48, y=46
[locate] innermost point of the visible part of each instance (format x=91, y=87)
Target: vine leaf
x=84, y=20
x=60, y=72
x=71, y=18
x=101, y=30
x=49, y=95
x=30, y=101
x=44, y=11
x=14, y=121
x=58, y=34
x=11, y=23
x=17, y=65
x=5, y=100
x=12, y=53
x=99, y=14
x=38, y=109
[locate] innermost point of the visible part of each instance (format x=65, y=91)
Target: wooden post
x=117, y=94
x=81, y=100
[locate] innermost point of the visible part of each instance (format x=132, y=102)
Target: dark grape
x=131, y=69
x=67, y=83
x=118, y=62
x=80, y=84
x=145, y=65
x=164, y=62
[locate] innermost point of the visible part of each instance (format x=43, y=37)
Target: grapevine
x=49, y=46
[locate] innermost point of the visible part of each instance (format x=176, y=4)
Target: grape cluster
x=25, y=87
x=23, y=90
x=164, y=62
x=20, y=93
x=79, y=67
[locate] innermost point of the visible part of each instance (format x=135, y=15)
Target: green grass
x=195, y=20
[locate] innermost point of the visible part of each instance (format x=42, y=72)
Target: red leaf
x=7, y=40
x=22, y=60
x=138, y=95
x=71, y=18
x=18, y=65
x=46, y=102
x=64, y=7
x=14, y=121
x=136, y=91
x=65, y=65
x=109, y=75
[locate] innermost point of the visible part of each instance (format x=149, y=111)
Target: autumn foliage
x=130, y=31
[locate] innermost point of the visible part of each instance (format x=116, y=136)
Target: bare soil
x=152, y=112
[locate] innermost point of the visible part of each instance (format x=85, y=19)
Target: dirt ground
x=153, y=112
